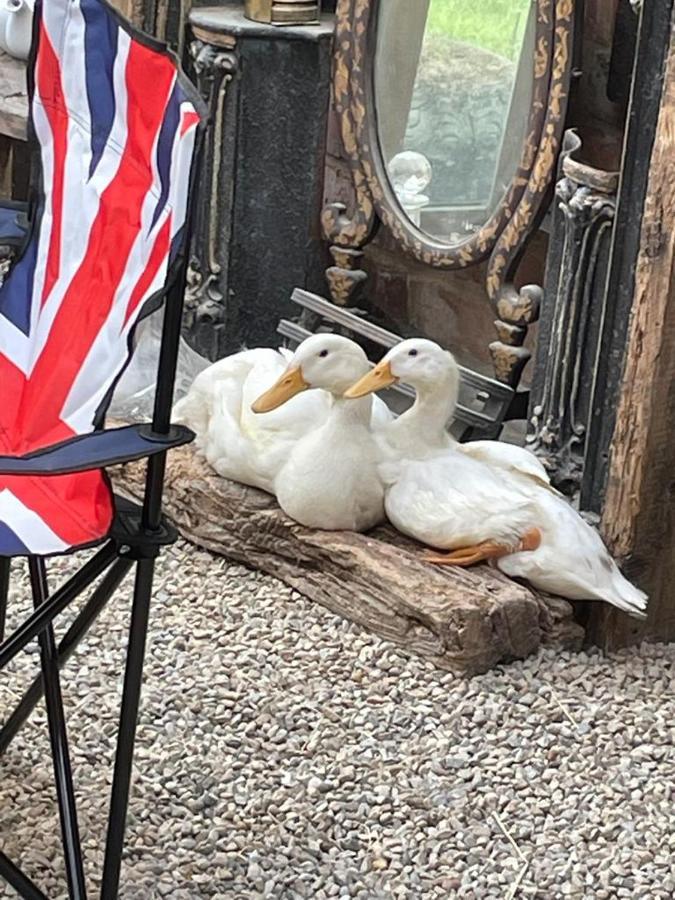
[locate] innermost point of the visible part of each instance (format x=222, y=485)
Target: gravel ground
x=285, y=753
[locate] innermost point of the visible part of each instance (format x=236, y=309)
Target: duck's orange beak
x=288, y=385
x=378, y=378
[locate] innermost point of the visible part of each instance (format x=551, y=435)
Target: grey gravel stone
x=285, y=753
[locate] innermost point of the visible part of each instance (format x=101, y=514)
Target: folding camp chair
x=13, y=225
x=117, y=127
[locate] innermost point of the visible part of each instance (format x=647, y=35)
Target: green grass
x=495, y=25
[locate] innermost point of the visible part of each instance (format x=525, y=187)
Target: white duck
x=493, y=505
x=330, y=478
x=239, y=445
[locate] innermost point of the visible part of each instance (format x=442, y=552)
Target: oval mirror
x=453, y=90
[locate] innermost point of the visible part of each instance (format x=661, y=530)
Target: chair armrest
x=96, y=450
x=13, y=223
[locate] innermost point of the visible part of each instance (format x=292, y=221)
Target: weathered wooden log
x=464, y=620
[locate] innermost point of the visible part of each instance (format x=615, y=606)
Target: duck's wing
x=251, y=447
x=233, y=449
x=518, y=460
x=451, y=500
x=217, y=408
x=235, y=455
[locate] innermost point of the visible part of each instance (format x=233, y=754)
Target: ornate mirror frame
x=504, y=236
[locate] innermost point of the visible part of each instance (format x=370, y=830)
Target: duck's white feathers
x=571, y=561
x=330, y=480
x=443, y=501
x=225, y=378
x=239, y=444
x=518, y=460
x=322, y=476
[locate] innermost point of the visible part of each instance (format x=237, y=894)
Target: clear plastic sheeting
x=135, y=392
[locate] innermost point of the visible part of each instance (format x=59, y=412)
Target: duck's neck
x=425, y=423
x=348, y=412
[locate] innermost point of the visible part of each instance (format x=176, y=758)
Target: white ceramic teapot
x=16, y=27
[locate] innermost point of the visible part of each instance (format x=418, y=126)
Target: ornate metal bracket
x=572, y=317
x=205, y=301
x=348, y=231
x=517, y=309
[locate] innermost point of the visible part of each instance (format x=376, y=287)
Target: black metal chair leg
x=58, y=601
x=126, y=735
x=80, y=626
x=20, y=882
x=58, y=739
x=4, y=591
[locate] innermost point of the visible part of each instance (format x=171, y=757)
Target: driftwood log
x=464, y=620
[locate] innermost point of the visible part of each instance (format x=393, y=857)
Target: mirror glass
x=453, y=88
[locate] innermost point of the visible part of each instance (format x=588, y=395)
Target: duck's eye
x=323, y=353
x=412, y=352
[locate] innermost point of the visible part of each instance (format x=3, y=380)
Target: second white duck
x=489, y=505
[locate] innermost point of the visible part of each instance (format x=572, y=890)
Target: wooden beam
x=646, y=92
x=465, y=620
x=639, y=513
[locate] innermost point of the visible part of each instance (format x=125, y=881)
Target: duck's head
x=326, y=361
x=421, y=363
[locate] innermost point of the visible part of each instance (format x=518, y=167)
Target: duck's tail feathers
x=624, y=595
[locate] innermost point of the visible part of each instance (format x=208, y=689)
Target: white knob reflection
x=410, y=173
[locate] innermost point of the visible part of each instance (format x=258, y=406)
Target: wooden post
x=638, y=519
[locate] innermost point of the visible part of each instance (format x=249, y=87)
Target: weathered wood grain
x=461, y=620
x=639, y=514
x=13, y=97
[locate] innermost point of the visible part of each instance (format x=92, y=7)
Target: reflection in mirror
x=453, y=88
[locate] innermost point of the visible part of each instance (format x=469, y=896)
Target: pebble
x=283, y=752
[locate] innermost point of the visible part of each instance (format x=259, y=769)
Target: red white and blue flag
x=116, y=126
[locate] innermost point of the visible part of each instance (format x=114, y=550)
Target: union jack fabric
x=116, y=124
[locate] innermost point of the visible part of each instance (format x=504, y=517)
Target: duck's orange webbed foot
x=486, y=550
x=530, y=540
x=468, y=556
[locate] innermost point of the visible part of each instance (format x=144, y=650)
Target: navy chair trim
x=96, y=450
